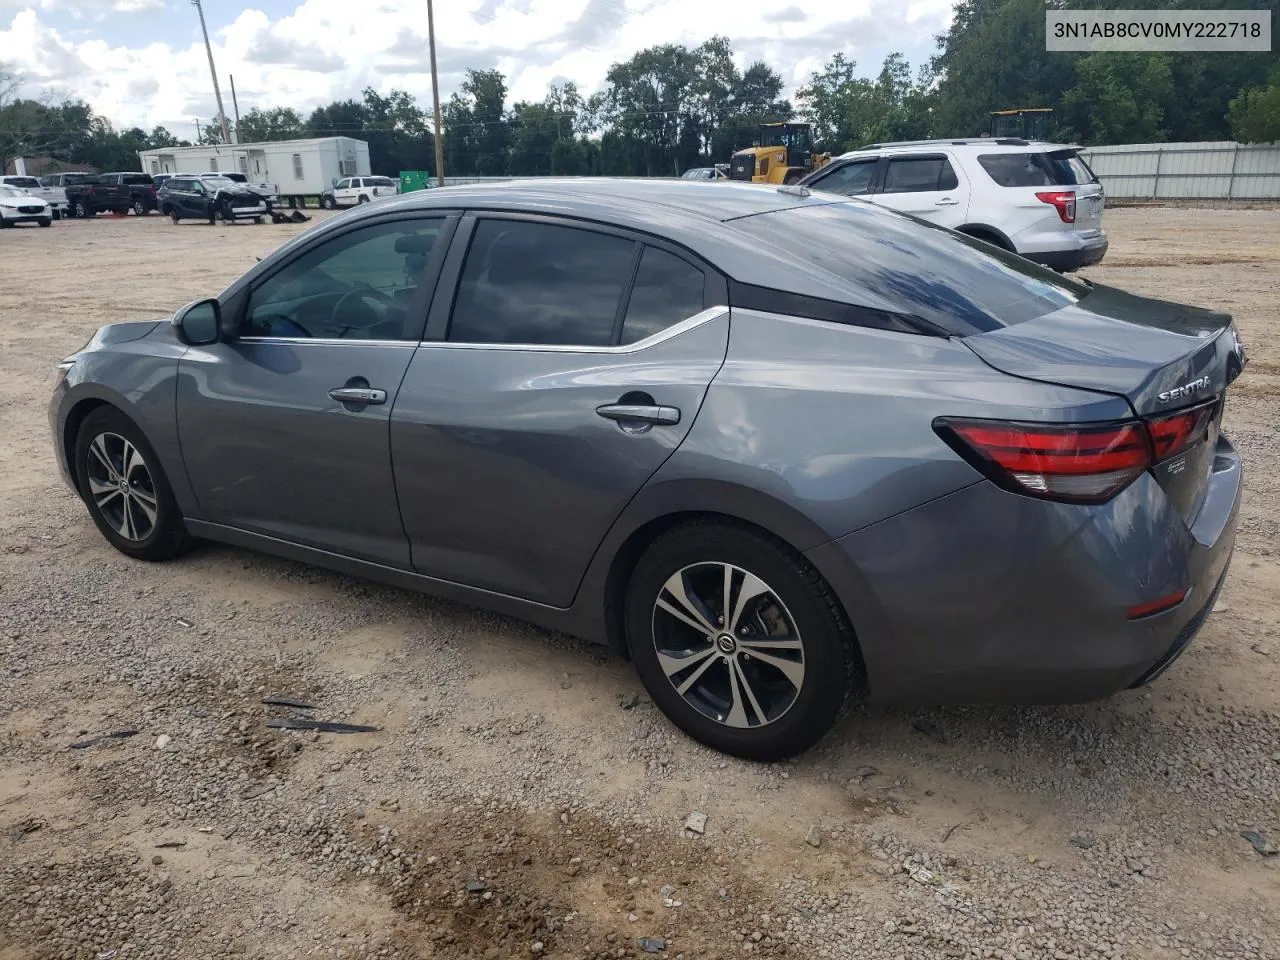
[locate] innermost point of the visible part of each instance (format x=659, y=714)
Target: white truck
x=56, y=197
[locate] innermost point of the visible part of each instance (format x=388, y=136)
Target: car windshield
x=959, y=284
x=25, y=183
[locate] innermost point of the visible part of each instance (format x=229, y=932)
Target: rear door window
x=540, y=283
x=667, y=290
x=919, y=175
x=1058, y=168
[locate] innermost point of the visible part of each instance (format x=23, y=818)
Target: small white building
x=299, y=169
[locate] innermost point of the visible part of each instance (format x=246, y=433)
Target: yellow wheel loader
x=784, y=154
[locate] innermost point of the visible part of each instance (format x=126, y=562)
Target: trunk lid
x=1161, y=357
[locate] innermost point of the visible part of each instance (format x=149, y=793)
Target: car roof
x=985, y=144
x=628, y=202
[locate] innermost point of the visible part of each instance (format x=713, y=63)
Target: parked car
x=1039, y=200
x=209, y=198
x=141, y=187
x=56, y=197
x=267, y=191
x=879, y=458
x=86, y=195
x=353, y=191
x=18, y=206
x=719, y=172
x=159, y=180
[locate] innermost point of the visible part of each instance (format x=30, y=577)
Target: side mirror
x=199, y=323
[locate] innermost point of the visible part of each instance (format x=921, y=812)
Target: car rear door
x=567, y=367
x=925, y=185
x=284, y=429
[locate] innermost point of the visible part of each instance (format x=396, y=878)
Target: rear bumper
x=987, y=596
x=1065, y=261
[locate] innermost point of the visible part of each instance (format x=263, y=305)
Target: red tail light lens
x=1063, y=200
x=1177, y=432
x=1075, y=463
x=1158, y=606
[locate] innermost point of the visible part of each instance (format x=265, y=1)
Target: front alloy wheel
x=728, y=644
x=124, y=486
x=121, y=486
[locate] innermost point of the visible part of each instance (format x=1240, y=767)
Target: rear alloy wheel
x=139, y=209
x=364, y=198
x=125, y=489
x=738, y=640
x=80, y=209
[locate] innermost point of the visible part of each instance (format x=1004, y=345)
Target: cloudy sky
x=141, y=62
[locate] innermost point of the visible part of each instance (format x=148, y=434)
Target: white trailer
x=301, y=170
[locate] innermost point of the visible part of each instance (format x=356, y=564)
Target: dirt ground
x=522, y=797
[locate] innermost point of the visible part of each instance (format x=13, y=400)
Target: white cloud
x=332, y=49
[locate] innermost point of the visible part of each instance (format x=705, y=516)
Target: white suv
x=1039, y=200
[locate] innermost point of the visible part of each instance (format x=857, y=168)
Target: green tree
x=277, y=123
x=1118, y=98
x=648, y=101
x=1255, y=113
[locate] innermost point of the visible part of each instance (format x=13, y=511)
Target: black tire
x=173, y=214
x=364, y=198
x=80, y=210
x=796, y=591
x=45, y=221
x=159, y=537
x=328, y=203
x=990, y=238
x=258, y=221
x=140, y=209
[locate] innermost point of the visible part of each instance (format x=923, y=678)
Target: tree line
x=671, y=107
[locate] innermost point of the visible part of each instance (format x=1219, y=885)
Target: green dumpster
x=411, y=180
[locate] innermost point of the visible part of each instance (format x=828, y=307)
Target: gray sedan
x=780, y=449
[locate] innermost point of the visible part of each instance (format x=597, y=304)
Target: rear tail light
x=1075, y=463
x=1172, y=434
x=91, y=191
x=1063, y=200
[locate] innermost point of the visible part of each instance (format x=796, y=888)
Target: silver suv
x=1036, y=199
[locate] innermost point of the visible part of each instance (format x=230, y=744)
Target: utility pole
x=197, y=129
x=213, y=73
x=236, y=107
x=435, y=95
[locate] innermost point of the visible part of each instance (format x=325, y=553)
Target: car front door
x=850, y=178
x=571, y=366
x=284, y=428
x=342, y=193
x=927, y=186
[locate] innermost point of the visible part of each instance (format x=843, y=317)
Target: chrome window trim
x=328, y=341
x=689, y=323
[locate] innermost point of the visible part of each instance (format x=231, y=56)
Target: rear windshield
x=74, y=178
x=1058, y=168
x=135, y=178
x=962, y=285
x=24, y=182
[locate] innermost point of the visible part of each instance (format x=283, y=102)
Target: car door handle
x=945, y=202
x=641, y=412
x=358, y=395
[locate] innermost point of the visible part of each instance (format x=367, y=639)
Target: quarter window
x=539, y=283
x=357, y=286
x=667, y=290
x=919, y=175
